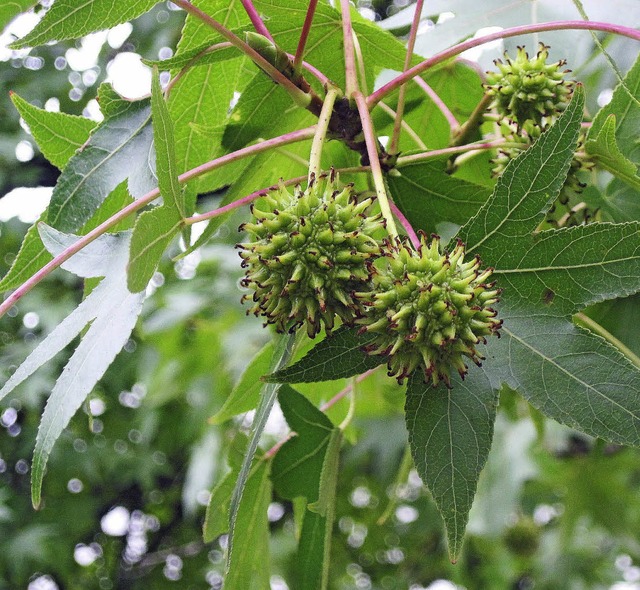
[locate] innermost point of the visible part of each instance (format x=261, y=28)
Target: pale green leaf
x=450, y=433
x=70, y=19
x=12, y=8
x=607, y=154
x=120, y=148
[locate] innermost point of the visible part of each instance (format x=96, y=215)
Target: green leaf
x=570, y=375
x=282, y=353
x=70, y=19
x=152, y=233
x=427, y=195
x=11, y=8
x=626, y=108
x=339, y=355
x=450, y=433
x=248, y=563
x=307, y=466
x=164, y=145
x=526, y=189
x=118, y=149
x=246, y=393
x=200, y=100
x=112, y=311
x=563, y=271
x=608, y=155
x=58, y=135
x=216, y=521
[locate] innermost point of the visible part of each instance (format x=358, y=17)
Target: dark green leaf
x=339, y=355
x=216, y=521
x=566, y=270
x=118, y=149
x=70, y=19
x=528, y=186
x=427, y=195
x=450, y=433
x=58, y=135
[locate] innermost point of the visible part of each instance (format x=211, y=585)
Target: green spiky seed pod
x=429, y=310
x=527, y=89
x=308, y=254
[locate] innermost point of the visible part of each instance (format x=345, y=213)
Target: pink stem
x=304, y=35
x=256, y=21
x=61, y=258
x=404, y=222
x=511, y=32
x=407, y=160
x=433, y=95
x=397, y=125
x=351, y=75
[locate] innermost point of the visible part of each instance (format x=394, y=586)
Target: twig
x=351, y=76
x=83, y=241
x=304, y=35
x=473, y=122
x=397, y=125
x=374, y=161
x=404, y=222
x=321, y=133
x=379, y=94
x=256, y=21
x=585, y=321
x=433, y=95
x=408, y=160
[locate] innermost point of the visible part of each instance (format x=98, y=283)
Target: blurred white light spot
x=604, y=98
x=75, y=486
x=474, y=53
x=406, y=514
x=25, y=203
x=367, y=13
x=360, y=497
x=52, y=105
x=24, y=151
x=89, y=78
x=97, y=406
x=115, y=522
x=87, y=56
x=631, y=574
x=165, y=53
x=17, y=28
x=544, y=513
x=129, y=76
x=623, y=562
x=277, y=583
x=118, y=35
x=92, y=111
x=9, y=416
x=275, y=511
x=85, y=555
x=442, y=585
x=444, y=17
x=43, y=583
x=31, y=320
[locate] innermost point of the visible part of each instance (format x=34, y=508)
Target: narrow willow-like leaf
x=450, y=433
x=337, y=356
x=216, y=521
x=605, y=150
x=58, y=135
x=248, y=563
x=307, y=466
x=282, y=353
x=528, y=186
x=120, y=148
x=246, y=393
x=70, y=19
x=427, y=195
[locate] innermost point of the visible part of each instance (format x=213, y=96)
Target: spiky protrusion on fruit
x=429, y=310
x=527, y=89
x=308, y=254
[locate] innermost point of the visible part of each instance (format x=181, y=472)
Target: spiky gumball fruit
x=429, y=310
x=308, y=255
x=527, y=89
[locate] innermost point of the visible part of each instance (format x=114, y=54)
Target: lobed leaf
x=450, y=433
